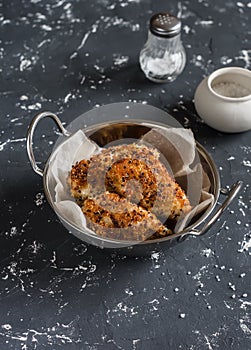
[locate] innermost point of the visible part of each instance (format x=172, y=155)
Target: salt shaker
x=163, y=56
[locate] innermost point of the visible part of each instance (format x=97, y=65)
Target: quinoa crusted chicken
x=126, y=192
x=110, y=215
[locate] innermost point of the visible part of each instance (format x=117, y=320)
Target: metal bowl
x=112, y=131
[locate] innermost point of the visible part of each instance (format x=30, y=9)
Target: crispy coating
x=133, y=180
x=111, y=216
x=135, y=172
x=102, y=162
x=78, y=181
x=127, y=191
x=153, y=189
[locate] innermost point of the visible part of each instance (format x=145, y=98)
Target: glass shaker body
x=163, y=56
x=162, y=59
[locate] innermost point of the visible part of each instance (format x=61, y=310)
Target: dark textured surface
x=58, y=293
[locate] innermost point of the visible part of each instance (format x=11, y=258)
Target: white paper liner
x=75, y=148
x=176, y=144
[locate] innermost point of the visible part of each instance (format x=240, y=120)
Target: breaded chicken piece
x=77, y=180
x=126, y=192
x=89, y=176
x=111, y=216
x=136, y=173
x=102, y=162
x=153, y=189
x=133, y=180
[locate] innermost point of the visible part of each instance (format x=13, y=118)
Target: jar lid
x=165, y=25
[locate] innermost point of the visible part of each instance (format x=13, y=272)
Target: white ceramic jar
x=223, y=99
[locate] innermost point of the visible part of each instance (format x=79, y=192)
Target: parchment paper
x=177, y=145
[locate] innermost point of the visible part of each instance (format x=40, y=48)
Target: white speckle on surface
x=155, y=255
x=200, y=273
x=155, y=259
x=67, y=97
x=6, y=21
x=227, y=306
x=24, y=98
x=217, y=277
x=246, y=163
x=226, y=60
x=134, y=343
x=208, y=343
x=246, y=57
x=73, y=55
x=35, y=247
x=2, y=145
x=182, y=315
x=46, y=27
x=245, y=245
x=125, y=309
x=246, y=149
x=39, y=199
x=128, y=292
x=245, y=304
x=135, y=27
x=94, y=28
x=6, y=326
x=13, y=231
x=43, y=42
x=241, y=203
x=242, y=211
x=82, y=80
x=153, y=301
x=186, y=29
x=186, y=122
x=36, y=106
x=231, y=286
x=207, y=252
x=205, y=23
x=82, y=44
x=24, y=63
x=54, y=258
x=120, y=60
x=244, y=327
x=50, y=336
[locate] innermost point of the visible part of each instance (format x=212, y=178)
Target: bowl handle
x=30, y=135
x=235, y=188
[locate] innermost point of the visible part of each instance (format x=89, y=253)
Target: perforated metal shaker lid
x=165, y=25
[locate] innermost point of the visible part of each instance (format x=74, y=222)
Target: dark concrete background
x=59, y=293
